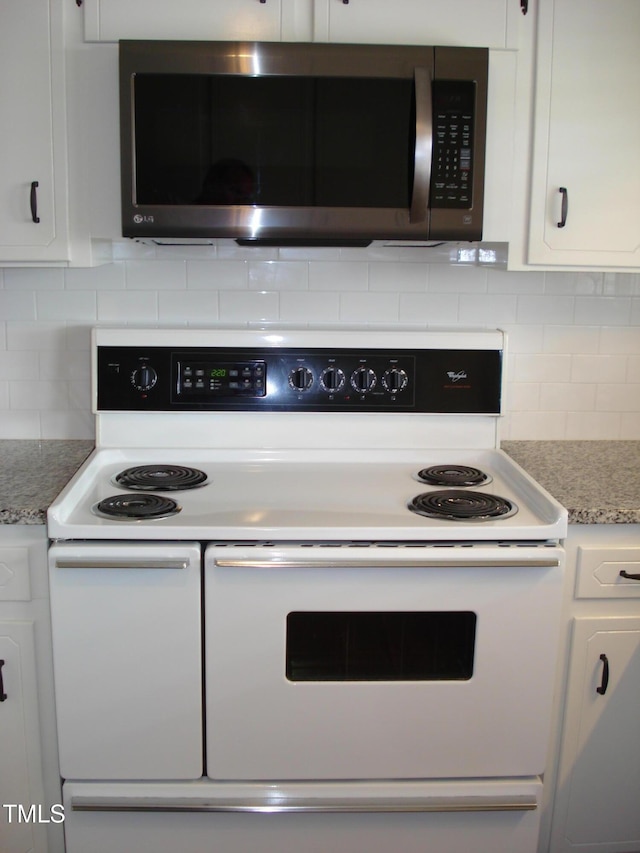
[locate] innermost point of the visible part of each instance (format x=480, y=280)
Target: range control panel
x=226, y=379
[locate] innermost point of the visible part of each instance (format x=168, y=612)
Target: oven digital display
x=204, y=379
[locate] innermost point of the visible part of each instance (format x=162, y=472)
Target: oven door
x=127, y=643
x=379, y=662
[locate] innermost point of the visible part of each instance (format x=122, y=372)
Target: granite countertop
x=597, y=481
x=32, y=473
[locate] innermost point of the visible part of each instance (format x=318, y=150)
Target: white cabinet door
x=20, y=774
x=32, y=221
x=486, y=23
x=110, y=20
x=599, y=778
x=127, y=660
x=587, y=127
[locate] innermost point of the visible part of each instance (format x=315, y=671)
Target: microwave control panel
x=453, y=141
x=284, y=379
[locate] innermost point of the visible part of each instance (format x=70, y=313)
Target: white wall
x=574, y=338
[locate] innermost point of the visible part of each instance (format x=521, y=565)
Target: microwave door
x=419, y=210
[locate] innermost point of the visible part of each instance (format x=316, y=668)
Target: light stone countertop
x=32, y=473
x=597, y=481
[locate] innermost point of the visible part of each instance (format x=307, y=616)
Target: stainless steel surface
x=304, y=805
x=346, y=563
x=423, y=147
x=122, y=564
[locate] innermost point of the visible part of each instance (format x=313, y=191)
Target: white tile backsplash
x=573, y=338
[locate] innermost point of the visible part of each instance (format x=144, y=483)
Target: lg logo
x=139, y=219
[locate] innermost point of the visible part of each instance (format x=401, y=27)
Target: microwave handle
x=423, y=146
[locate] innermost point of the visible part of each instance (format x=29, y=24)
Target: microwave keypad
x=451, y=170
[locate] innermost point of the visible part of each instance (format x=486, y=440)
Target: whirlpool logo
x=457, y=375
x=458, y=380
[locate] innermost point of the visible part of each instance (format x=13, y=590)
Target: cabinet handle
x=565, y=207
x=3, y=695
x=33, y=200
x=628, y=575
x=605, y=676
x=524, y=6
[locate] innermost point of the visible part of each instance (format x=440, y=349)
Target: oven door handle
x=293, y=805
x=432, y=563
x=121, y=564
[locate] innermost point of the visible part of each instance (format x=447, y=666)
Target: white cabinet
x=595, y=807
x=586, y=131
x=30, y=812
x=488, y=23
x=254, y=20
x=485, y=23
x=33, y=227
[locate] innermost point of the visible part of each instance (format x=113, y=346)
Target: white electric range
x=298, y=588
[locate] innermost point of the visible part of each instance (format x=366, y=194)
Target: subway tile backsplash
x=573, y=370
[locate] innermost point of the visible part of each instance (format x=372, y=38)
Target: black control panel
x=227, y=379
x=452, y=157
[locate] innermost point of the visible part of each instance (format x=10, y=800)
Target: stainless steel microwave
x=302, y=144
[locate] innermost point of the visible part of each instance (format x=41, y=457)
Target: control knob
x=332, y=379
x=301, y=379
x=144, y=378
x=363, y=380
x=395, y=379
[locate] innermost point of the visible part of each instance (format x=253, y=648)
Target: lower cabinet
x=596, y=805
x=31, y=814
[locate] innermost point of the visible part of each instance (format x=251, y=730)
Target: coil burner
x=454, y=475
x=163, y=478
x=138, y=507
x=461, y=505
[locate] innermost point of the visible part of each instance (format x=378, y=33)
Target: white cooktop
x=296, y=495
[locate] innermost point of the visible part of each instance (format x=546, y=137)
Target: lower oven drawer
x=380, y=663
x=484, y=817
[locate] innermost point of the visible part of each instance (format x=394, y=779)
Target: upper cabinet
x=253, y=20
x=585, y=191
x=485, y=23
x=33, y=227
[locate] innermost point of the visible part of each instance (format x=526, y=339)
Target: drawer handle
x=605, y=676
x=629, y=576
x=297, y=805
x=3, y=695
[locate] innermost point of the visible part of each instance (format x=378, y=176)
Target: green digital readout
x=218, y=372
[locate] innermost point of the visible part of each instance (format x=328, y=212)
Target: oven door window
x=380, y=646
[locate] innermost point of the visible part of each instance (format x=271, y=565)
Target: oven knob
x=144, y=378
x=332, y=379
x=395, y=379
x=363, y=379
x=301, y=379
